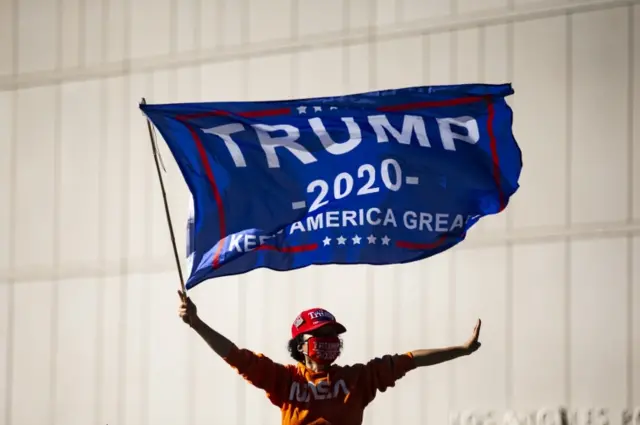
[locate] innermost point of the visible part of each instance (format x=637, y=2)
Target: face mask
x=324, y=350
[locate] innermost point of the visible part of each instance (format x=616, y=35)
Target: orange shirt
x=334, y=397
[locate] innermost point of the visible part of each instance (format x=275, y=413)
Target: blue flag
x=377, y=178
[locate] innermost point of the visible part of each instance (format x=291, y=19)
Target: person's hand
x=188, y=311
x=473, y=344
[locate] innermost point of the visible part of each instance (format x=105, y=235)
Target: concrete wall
x=89, y=331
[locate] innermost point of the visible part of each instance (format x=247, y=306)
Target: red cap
x=312, y=319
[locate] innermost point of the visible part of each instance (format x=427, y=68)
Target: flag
x=376, y=178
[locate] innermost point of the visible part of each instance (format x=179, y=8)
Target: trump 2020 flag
x=377, y=178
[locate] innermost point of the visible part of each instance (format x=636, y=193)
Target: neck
x=310, y=364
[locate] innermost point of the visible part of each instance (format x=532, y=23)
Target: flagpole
x=154, y=149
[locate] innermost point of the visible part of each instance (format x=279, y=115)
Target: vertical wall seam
x=124, y=238
x=220, y=41
x=346, y=50
x=145, y=308
x=482, y=51
x=245, y=30
x=630, y=195
x=54, y=334
x=294, y=20
x=372, y=71
x=453, y=77
x=173, y=28
x=424, y=319
x=241, y=390
x=197, y=26
x=510, y=328
x=13, y=181
x=191, y=342
x=101, y=280
x=82, y=57
x=102, y=288
x=568, y=213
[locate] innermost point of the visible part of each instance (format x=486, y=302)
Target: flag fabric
x=376, y=178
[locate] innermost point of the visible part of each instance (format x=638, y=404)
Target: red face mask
x=324, y=350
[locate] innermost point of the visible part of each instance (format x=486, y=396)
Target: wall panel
x=358, y=69
x=115, y=176
x=209, y=24
x=326, y=63
x=153, y=28
x=635, y=114
x=81, y=133
x=32, y=353
x=136, y=345
x=599, y=53
x=540, y=98
x=6, y=178
x=384, y=318
x=76, y=351
x=118, y=30
x=36, y=144
x=598, y=311
x=7, y=42
x=6, y=335
x=413, y=10
x=359, y=14
x=538, y=334
x=218, y=391
x=224, y=81
x=316, y=18
x=481, y=292
x=441, y=63
x=270, y=77
x=141, y=171
x=399, y=63
x=234, y=22
x=93, y=30
x=186, y=20
x=256, y=286
x=471, y=6
x=468, y=56
x=163, y=87
x=111, y=350
x=438, y=312
x=71, y=36
x=270, y=21
x=386, y=12
x=38, y=42
x=412, y=332
x=634, y=314
x=168, y=354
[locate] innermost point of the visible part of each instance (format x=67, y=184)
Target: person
x=316, y=390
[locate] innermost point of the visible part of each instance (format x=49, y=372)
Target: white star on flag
x=356, y=240
x=371, y=239
x=333, y=108
x=302, y=109
x=326, y=241
x=341, y=240
x=317, y=108
x=385, y=240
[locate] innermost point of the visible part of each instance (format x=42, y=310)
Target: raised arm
x=435, y=356
x=257, y=369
